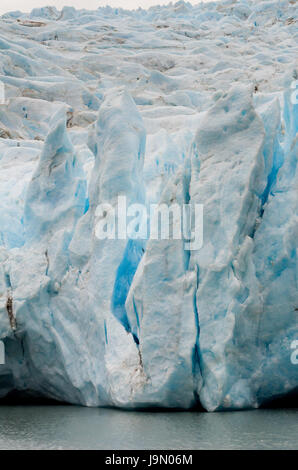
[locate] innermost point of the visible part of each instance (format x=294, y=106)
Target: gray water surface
x=70, y=427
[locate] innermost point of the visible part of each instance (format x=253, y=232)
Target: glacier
x=174, y=104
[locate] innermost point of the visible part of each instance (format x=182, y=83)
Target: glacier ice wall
x=180, y=104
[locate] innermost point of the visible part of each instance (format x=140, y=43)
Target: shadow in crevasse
x=286, y=401
x=17, y=398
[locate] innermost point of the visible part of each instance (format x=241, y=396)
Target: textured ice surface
x=174, y=104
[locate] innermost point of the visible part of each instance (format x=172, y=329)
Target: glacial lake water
x=71, y=427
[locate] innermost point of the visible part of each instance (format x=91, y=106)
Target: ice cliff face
x=176, y=104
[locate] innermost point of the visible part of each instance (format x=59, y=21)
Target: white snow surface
x=171, y=104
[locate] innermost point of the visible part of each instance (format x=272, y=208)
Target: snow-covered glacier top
x=178, y=104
